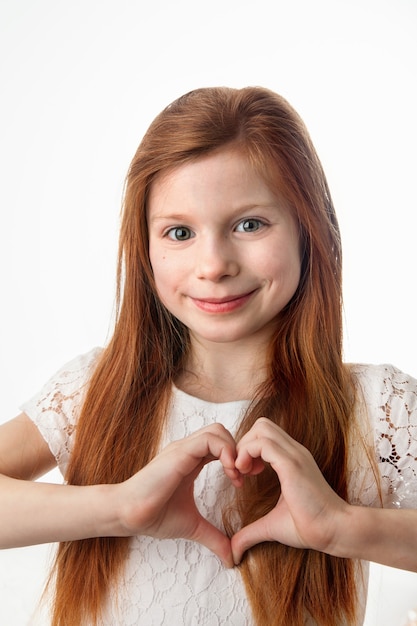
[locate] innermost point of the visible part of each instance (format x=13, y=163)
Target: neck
x=223, y=372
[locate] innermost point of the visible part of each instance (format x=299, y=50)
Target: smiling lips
x=222, y=305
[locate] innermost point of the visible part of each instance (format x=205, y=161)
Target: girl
x=222, y=464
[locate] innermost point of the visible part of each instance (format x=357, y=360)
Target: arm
x=309, y=514
x=157, y=501
x=33, y=513
x=385, y=536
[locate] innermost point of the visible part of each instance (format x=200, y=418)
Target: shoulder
x=68, y=381
x=79, y=366
x=385, y=386
x=379, y=372
x=55, y=408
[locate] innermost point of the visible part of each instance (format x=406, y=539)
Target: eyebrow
x=181, y=217
x=174, y=217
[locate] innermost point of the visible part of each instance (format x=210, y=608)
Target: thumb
x=216, y=541
x=247, y=537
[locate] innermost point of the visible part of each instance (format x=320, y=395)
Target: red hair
x=308, y=390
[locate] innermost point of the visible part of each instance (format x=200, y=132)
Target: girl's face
x=224, y=249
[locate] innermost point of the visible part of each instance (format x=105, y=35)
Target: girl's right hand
x=159, y=500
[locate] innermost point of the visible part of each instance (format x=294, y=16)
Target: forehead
x=223, y=176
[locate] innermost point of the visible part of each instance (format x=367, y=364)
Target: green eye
x=249, y=226
x=179, y=233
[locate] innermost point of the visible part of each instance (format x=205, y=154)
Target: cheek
x=292, y=254
x=166, y=275
x=157, y=260
x=296, y=262
x=284, y=265
x=153, y=252
x=160, y=276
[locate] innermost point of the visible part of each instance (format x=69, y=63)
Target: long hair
x=307, y=390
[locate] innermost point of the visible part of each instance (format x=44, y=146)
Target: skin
x=233, y=269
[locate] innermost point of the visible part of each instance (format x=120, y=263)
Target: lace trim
x=387, y=411
x=397, y=438
x=56, y=408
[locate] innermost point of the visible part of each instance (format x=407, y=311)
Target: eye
x=249, y=225
x=180, y=233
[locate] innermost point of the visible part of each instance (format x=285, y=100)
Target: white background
x=80, y=82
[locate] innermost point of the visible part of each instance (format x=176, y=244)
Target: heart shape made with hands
x=162, y=496
x=232, y=550
x=303, y=516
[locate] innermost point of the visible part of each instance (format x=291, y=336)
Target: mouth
x=223, y=305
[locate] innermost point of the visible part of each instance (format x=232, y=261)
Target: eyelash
x=170, y=233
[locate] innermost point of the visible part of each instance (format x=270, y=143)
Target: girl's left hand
x=308, y=513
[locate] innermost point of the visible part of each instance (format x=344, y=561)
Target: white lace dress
x=173, y=582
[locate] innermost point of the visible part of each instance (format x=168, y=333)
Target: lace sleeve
x=55, y=408
x=391, y=406
x=396, y=437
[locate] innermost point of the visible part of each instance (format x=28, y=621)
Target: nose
x=216, y=259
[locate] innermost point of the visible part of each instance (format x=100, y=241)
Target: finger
x=265, y=428
x=268, y=442
x=216, y=442
x=247, y=460
x=216, y=541
x=251, y=457
x=247, y=464
x=248, y=536
x=203, y=446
